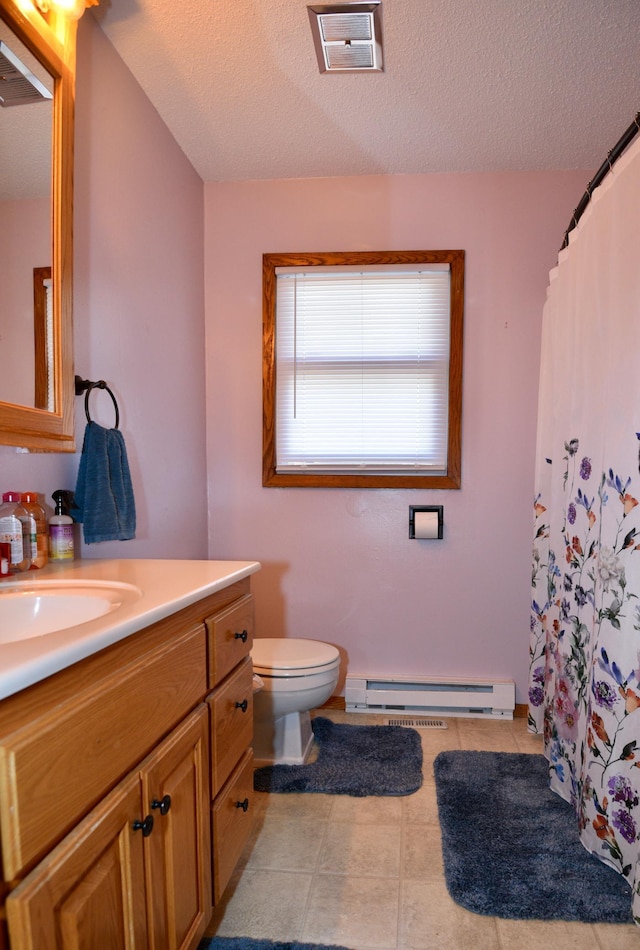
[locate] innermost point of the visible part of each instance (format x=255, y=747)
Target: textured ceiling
x=469, y=85
x=25, y=135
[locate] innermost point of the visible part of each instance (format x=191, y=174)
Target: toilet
x=298, y=676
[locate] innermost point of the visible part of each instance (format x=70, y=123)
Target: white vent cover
x=429, y=696
x=347, y=37
x=18, y=85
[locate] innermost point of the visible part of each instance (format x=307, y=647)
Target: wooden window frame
x=273, y=479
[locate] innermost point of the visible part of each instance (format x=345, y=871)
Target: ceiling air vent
x=18, y=85
x=347, y=37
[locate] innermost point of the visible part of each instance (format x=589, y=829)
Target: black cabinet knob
x=241, y=636
x=164, y=804
x=145, y=826
x=244, y=705
x=243, y=805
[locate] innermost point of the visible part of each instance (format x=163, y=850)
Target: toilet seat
x=278, y=657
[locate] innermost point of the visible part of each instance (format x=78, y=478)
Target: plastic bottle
x=40, y=552
x=29, y=540
x=61, y=546
x=12, y=531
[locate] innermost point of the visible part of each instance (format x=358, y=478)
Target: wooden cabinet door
x=175, y=786
x=89, y=892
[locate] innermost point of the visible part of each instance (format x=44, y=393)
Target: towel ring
x=100, y=384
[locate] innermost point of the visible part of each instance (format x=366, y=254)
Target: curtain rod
x=623, y=142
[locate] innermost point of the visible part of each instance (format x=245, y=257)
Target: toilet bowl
x=298, y=676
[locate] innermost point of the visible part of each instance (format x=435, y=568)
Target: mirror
x=36, y=208
x=26, y=149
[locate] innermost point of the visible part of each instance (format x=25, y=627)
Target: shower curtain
x=584, y=687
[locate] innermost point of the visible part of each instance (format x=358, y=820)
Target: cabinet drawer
x=230, y=638
x=232, y=823
x=58, y=766
x=231, y=707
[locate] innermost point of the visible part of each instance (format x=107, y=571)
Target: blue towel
x=104, y=501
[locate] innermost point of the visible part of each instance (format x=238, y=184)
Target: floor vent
x=419, y=723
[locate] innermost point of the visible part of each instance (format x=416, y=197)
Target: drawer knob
x=241, y=636
x=164, y=804
x=244, y=705
x=145, y=826
x=243, y=805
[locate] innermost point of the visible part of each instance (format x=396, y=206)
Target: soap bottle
x=40, y=551
x=61, y=530
x=11, y=531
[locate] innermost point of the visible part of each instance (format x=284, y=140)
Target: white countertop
x=167, y=586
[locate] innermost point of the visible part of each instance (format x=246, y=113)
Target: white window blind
x=362, y=380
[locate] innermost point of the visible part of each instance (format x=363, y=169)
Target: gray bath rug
x=510, y=845
x=245, y=943
x=352, y=760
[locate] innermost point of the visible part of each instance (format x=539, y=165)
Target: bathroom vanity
x=126, y=777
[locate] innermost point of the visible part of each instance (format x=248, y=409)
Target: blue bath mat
x=510, y=845
x=352, y=760
x=245, y=943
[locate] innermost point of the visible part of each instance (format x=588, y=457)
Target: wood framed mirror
x=26, y=422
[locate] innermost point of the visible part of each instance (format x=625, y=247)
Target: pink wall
x=338, y=564
x=139, y=308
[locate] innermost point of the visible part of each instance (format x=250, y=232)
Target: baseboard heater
x=492, y=699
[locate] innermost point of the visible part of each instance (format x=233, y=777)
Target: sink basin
x=40, y=607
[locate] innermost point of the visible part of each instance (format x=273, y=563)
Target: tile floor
x=366, y=873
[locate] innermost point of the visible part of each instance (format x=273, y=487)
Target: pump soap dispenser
x=61, y=529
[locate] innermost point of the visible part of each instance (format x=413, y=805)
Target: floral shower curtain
x=584, y=691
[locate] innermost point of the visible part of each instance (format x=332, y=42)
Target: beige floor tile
x=437, y=740
x=371, y=810
x=428, y=778
x=361, y=850
x=354, y=912
x=487, y=735
x=421, y=854
x=527, y=742
x=617, y=936
x=421, y=808
x=293, y=805
x=287, y=845
x=534, y=934
x=430, y=919
x=264, y=904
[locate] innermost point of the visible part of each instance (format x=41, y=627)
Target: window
x=362, y=369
